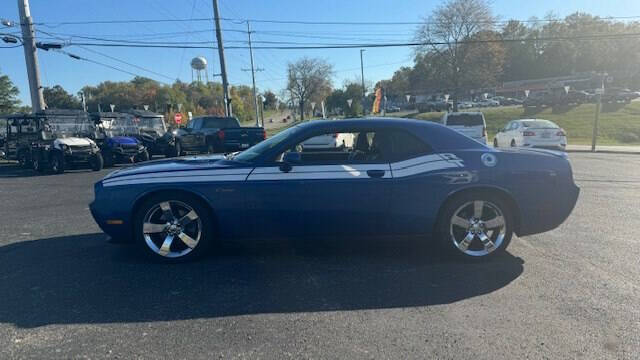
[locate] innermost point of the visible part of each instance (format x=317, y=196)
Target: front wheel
x=143, y=156
x=57, y=162
x=173, y=228
x=97, y=162
x=475, y=226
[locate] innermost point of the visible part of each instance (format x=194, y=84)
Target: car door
x=320, y=196
x=414, y=168
x=515, y=133
x=188, y=137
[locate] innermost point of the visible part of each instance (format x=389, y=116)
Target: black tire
x=143, y=156
x=57, y=162
x=513, y=143
x=495, y=143
x=204, y=215
x=23, y=160
x=97, y=162
x=444, y=227
x=107, y=159
x=177, y=149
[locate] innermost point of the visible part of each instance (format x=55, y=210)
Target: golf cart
x=153, y=132
x=63, y=141
x=20, y=133
x=117, y=135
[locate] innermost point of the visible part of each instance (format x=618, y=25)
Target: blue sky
x=174, y=63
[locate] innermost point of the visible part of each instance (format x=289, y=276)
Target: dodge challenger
x=398, y=177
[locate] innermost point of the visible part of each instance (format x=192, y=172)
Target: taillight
x=528, y=133
x=561, y=133
x=264, y=135
x=221, y=135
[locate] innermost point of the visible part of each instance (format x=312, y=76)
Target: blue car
x=398, y=177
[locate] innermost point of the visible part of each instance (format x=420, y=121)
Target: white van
x=471, y=124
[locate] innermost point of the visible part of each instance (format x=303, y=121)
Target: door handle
x=375, y=173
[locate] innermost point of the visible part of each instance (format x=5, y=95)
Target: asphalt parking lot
x=570, y=293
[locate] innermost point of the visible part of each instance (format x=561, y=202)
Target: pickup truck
x=214, y=134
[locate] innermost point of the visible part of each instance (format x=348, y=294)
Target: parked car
x=214, y=134
x=329, y=142
x=576, y=97
x=64, y=141
x=152, y=132
x=393, y=109
x=20, y=132
x=471, y=124
x=434, y=104
x=117, y=136
x=488, y=103
x=465, y=105
x=412, y=178
x=539, y=98
x=510, y=101
x=533, y=133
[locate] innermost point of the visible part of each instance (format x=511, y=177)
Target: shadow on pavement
x=82, y=279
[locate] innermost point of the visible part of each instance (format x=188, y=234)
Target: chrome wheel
x=477, y=228
x=172, y=229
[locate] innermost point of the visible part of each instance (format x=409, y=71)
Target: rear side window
x=464, y=120
x=213, y=123
x=406, y=146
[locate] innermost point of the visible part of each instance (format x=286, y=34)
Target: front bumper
x=553, y=214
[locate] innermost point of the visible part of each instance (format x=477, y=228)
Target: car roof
x=464, y=112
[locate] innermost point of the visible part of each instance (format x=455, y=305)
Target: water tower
x=199, y=64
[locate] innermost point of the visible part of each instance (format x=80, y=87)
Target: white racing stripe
x=181, y=176
x=315, y=172
x=418, y=165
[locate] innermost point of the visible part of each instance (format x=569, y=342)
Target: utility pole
x=228, y=111
x=364, y=96
x=30, y=56
x=253, y=74
x=600, y=92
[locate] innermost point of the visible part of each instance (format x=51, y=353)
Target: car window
x=539, y=124
x=192, y=124
x=218, y=123
x=407, y=146
x=364, y=146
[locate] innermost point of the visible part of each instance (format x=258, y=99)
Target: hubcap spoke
x=496, y=222
x=488, y=244
x=464, y=244
x=150, y=228
x=187, y=240
x=166, y=210
x=477, y=209
x=458, y=221
x=166, y=245
x=191, y=216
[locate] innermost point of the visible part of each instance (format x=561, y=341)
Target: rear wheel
x=57, y=162
x=475, y=226
x=97, y=162
x=173, y=228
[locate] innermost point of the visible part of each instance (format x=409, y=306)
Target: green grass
x=619, y=123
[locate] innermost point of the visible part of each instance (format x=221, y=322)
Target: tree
x=270, y=100
x=448, y=35
x=58, y=98
x=308, y=80
x=8, y=95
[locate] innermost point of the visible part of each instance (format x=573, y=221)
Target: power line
x=374, y=45
x=74, y=56
x=119, y=60
x=302, y=22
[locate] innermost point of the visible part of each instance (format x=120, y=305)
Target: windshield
x=464, y=120
x=539, y=124
x=121, y=126
x=152, y=122
x=257, y=150
x=69, y=125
